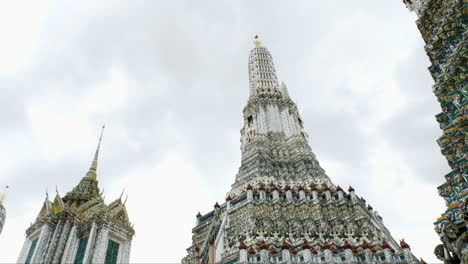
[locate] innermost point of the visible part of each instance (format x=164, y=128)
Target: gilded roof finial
x=3, y=196
x=257, y=41
x=93, y=168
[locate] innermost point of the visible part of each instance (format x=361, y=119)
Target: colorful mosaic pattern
x=443, y=26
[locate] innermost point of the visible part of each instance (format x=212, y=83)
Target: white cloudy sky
x=169, y=80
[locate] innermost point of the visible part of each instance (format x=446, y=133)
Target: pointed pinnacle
x=92, y=170
x=120, y=198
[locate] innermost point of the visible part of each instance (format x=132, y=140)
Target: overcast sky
x=169, y=80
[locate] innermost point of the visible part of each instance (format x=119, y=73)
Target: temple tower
x=80, y=227
x=282, y=207
x=443, y=26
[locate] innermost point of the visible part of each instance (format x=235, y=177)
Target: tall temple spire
x=283, y=207
x=93, y=168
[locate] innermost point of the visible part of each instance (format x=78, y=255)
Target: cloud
x=169, y=80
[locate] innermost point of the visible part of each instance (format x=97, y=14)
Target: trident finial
x=257, y=41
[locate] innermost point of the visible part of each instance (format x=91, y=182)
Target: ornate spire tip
x=257, y=41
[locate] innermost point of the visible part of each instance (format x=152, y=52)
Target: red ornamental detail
x=262, y=188
x=242, y=246
x=199, y=215
x=217, y=205
x=369, y=207
x=203, y=262
x=334, y=251
x=362, y=199
x=211, y=241
x=293, y=251
x=229, y=198
x=249, y=187
x=305, y=245
x=350, y=189
x=313, y=251
x=287, y=188
x=273, y=251
x=251, y=251
x=326, y=245
x=385, y=244
x=300, y=188
x=197, y=248
x=373, y=249
x=365, y=245
x=338, y=189
x=285, y=245
x=403, y=244
x=263, y=246
x=347, y=245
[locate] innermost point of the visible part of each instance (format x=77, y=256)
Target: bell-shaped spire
x=262, y=73
x=92, y=170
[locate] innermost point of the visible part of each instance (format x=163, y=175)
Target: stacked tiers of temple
x=282, y=196
x=295, y=224
x=443, y=26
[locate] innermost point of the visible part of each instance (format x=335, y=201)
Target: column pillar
x=243, y=254
x=100, y=248
x=275, y=195
x=71, y=247
x=62, y=242
x=42, y=243
x=90, y=244
x=211, y=251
